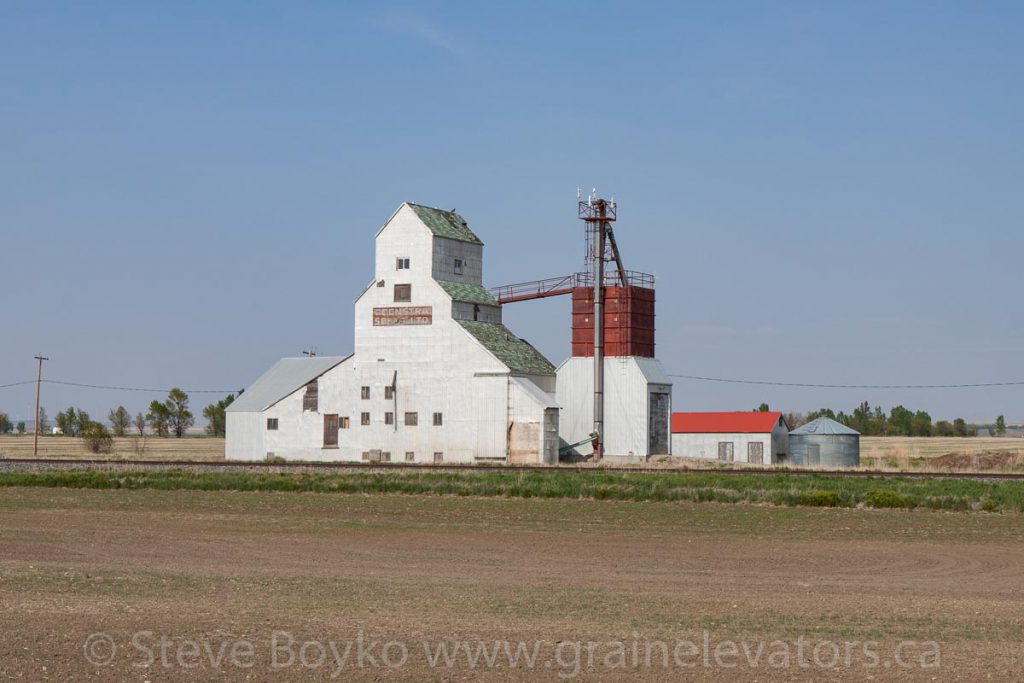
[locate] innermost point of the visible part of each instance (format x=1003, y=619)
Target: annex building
x=752, y=437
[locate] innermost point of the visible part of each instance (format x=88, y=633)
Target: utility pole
x=39, y=381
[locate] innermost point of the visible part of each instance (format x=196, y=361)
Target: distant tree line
x=164, y=418
x=899, y=421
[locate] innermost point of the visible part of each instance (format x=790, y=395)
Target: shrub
x=887, y=498
x=825, y=499
x=97, y=438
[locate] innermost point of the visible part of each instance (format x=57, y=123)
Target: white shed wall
x=246, y=437
x=626, y=403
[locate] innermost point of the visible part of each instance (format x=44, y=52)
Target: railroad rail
x=9, y=464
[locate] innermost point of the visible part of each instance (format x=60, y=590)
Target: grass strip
x=813, y=491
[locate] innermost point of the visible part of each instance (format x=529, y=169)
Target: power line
x=849, y=386
x=17, y=384
x=806, y=385
x=102, y=386
x=113, y=388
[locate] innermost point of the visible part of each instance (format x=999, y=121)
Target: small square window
x=389, y=418
x=438, y=419
x=271, y=423
x=458, y=266
x=364, y=419
x=364, y=393
x=412, y=419
x=402, y=263
x=389, y=392
x=385, y=456
x=438, y=456
x=403, y=292
x=344, y=423
x=410, y=456
x=380, y=283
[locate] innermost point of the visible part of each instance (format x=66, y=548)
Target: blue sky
x=827, y=192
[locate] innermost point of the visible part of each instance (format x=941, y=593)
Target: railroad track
x=27, y=464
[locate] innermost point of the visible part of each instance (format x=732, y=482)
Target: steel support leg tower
x=598, y=215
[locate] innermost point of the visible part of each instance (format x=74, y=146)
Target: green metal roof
x=514, y=352
x=467, y=293
x=445, y=223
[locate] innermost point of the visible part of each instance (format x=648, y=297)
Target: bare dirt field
x=129, y=447
x=261, y=586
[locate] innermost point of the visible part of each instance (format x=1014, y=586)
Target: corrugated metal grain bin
x=824, y=443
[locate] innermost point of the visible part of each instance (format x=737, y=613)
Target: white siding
x=626, y=403
x=486, y=314
x=245, y=437
x=706, y=445
x=446, y=251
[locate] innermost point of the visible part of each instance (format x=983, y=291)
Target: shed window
x=364, y=419
x=364, y=393
x=438, y=419
x=272, y=423
x=755, y=452
x=389, y=392
x=410, y=456
x=402, y=263
x=389, y=418
x=438, y=456
x=412, y=419
x=458, y=266
x=309, y=399
x=725, y=450
x=330, y=431
x=403, y=292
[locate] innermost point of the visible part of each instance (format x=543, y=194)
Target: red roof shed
x=724, y=423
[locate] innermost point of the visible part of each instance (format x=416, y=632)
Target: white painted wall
x=245, y=437
x=482, y=313
x=628, y=381
x=445, y=251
